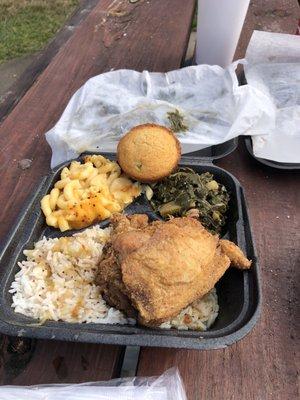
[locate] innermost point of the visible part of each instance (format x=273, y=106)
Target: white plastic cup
x=218, y=30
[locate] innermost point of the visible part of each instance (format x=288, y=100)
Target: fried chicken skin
x=126, y=237
x=154, y=270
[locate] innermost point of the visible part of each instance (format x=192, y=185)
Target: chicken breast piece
x=154, y=270
x=177, y=265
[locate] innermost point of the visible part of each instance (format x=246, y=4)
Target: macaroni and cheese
x=88, y=192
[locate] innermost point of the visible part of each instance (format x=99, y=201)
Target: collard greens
x=185, y=192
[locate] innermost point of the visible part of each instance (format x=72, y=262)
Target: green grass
x=194, y=23
x=27, y=25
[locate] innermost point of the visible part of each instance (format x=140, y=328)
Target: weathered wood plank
x=116, y=34
x=31, y=362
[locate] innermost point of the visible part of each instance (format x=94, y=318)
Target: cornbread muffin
x=148, y=152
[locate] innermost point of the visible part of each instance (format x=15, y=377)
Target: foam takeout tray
x=238, y=291
x=271, y=163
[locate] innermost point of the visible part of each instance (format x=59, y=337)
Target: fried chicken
x=127, y=236
x=154, y=270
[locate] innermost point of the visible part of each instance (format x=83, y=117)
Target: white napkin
x=273, y=67
x=214, y=106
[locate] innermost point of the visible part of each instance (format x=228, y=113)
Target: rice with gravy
x=57, y=280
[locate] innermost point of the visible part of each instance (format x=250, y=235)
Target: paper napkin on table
x=273, y=67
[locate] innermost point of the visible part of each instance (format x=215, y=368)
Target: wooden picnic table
x=153, y=35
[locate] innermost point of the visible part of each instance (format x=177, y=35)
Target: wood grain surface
x=149, y=35
x=32, y=362
x=265, y=364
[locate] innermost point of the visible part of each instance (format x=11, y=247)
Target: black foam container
x=238, y=291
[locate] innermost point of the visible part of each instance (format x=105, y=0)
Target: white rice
x=56, y=282
x=198, y=316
